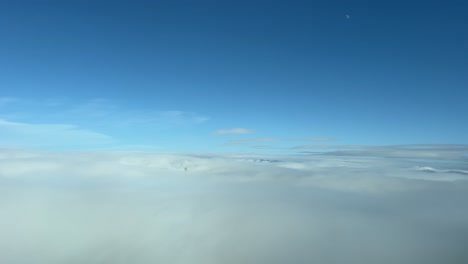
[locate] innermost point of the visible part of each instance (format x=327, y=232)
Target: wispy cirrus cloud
x=63, y=122
x=104, y=111
x=433, y=170
x=233, y=131
x=257, y=140
x=46, y=135
x=251, y=140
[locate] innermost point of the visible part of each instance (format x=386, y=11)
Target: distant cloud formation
x=233, y=131
x=145, y=207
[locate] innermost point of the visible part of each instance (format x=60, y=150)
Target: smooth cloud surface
x=130, y=207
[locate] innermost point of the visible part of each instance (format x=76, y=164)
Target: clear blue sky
x=169, y=74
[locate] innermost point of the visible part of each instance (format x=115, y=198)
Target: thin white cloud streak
x=98, y=207
x=257, y=140
x=432, y=170
x=43, y=135
x=440, y=147
x=251, y=140
x=415, y=154
x=233, y=131
x=416, y=151
x=317, y=139
x=106, y=112
x=94, y=124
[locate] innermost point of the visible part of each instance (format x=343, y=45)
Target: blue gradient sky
x=166, y=75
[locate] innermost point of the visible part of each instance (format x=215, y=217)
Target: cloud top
x=146, y=207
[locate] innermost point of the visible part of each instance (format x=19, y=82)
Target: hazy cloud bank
x=137, y=207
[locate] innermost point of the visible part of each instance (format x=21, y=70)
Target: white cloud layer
x=136, y=207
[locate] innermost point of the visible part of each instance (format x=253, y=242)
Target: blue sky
x=270, y=125
x=200, y=75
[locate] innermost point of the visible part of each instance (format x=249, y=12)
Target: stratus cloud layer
x=128, y=207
